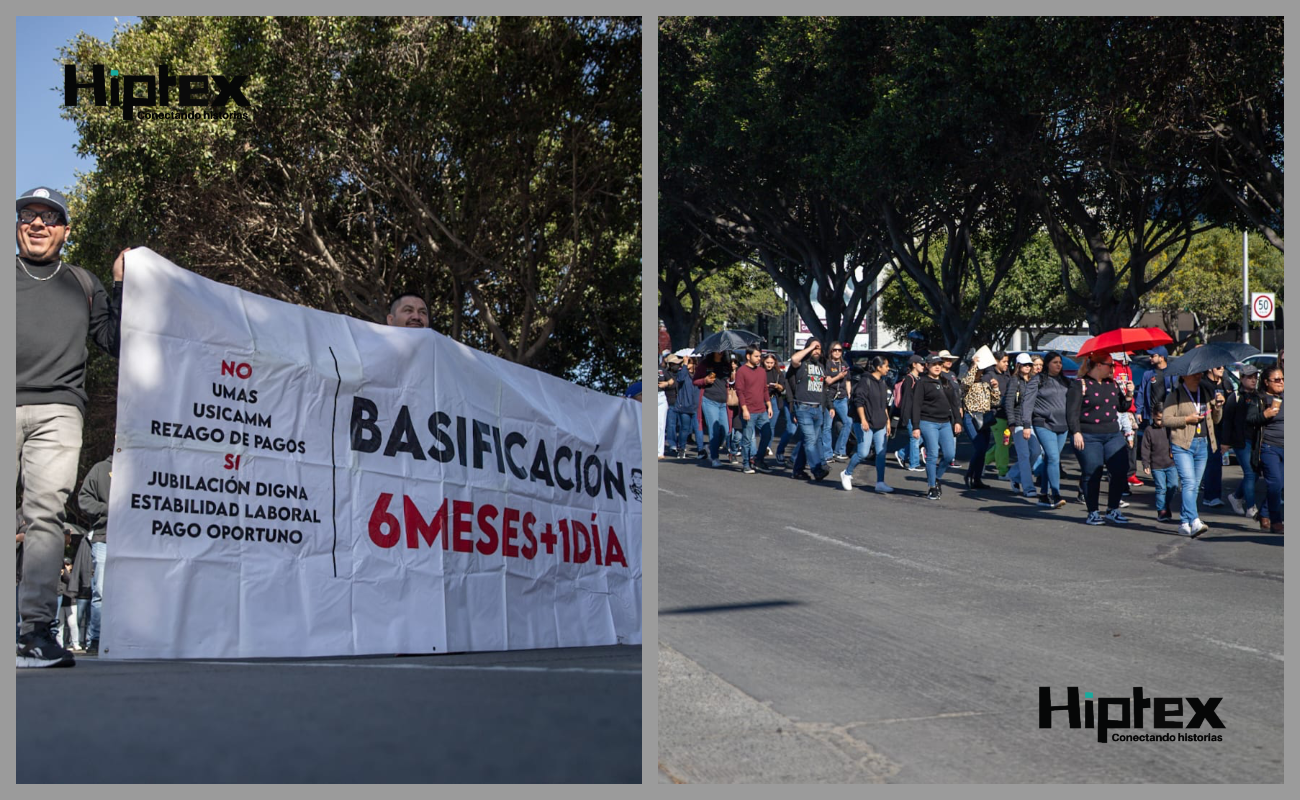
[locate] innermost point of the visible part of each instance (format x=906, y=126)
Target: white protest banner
x=290, y=482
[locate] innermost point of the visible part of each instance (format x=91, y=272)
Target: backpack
x=898, y=394
x=87, y=284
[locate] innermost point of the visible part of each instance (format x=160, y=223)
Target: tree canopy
x=939, y=147
x=492, y=164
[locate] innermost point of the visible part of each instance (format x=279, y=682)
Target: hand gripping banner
x=290, y=482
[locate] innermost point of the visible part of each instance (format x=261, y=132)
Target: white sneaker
x=1116, y=516
x=1124, y=504
x=1185, y=530
x=883, y=487
x=1199, y=527
x=1094, y=518
x=1237, y=507
x=1213, y=502
x=1252, y=512
x=715, y=463
x=846, y=480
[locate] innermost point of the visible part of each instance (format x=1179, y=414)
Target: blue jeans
x=1270, y=460
x=1111, y=450
x=1212, y=480
x=1190, y=462
x=670, y=428
x=1166, y=487
x=98, y=554
x=788, y=427
x=680, y=423
x=1246, y=489
x=841, y=407
x=764, y=436
x=1029, y=458
x=913, y=448
x=866, y=440
x=83, y=619
x=938, y=436
x=1049, y=480
x=979, y=440
x=810, y=419
x=757, y=422
x=715, y=424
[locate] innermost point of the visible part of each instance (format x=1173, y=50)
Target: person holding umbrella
x=1093, y=404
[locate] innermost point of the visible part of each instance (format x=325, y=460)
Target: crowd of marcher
x=1018, y=417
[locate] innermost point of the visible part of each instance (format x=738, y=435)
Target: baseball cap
x=1158, y=351
x=1247, y=370
x=46, y=196
x=915, y=359
x=1024, y=358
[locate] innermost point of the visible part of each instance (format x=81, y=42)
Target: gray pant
x=48, y=446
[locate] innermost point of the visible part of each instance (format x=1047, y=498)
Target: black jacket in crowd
x=872, y=396
x=93, y=498
x=935, y=400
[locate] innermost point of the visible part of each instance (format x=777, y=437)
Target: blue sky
x=45, y=141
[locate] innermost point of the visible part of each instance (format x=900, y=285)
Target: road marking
x=859, y=548
x=1244, y=648
x=444, y=667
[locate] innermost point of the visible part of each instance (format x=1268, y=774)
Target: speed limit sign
x=1262, y=307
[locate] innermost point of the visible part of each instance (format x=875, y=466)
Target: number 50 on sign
x=1263, y=307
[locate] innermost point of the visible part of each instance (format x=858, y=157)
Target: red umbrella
x=1125, y=340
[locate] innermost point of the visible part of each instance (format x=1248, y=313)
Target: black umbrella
x=1239, y=350
x=723, y=341
x=1199, y=359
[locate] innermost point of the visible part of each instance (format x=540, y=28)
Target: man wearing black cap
x=58, y=306
x=1151, y=395
x=912, y=461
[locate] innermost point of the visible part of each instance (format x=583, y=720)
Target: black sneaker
x=933, y=494
x=39, y=649
x=92, y=649
x=761, y=466
x=821, y=474
x=801, y=475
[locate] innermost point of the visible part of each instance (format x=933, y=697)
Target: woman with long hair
x=1266, y=416
x=1191, y=412
x=935, y=419
x=981, y=396
x=711, y=375
x=869, y=412
x=1093, y=404
x=1029, y=454
x=1044, y=411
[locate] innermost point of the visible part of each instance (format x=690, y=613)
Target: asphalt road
x=534, y=716
x=811, y=634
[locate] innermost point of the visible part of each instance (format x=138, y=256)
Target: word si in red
x=456, y=520
x=239, y=370
x=232, y=461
